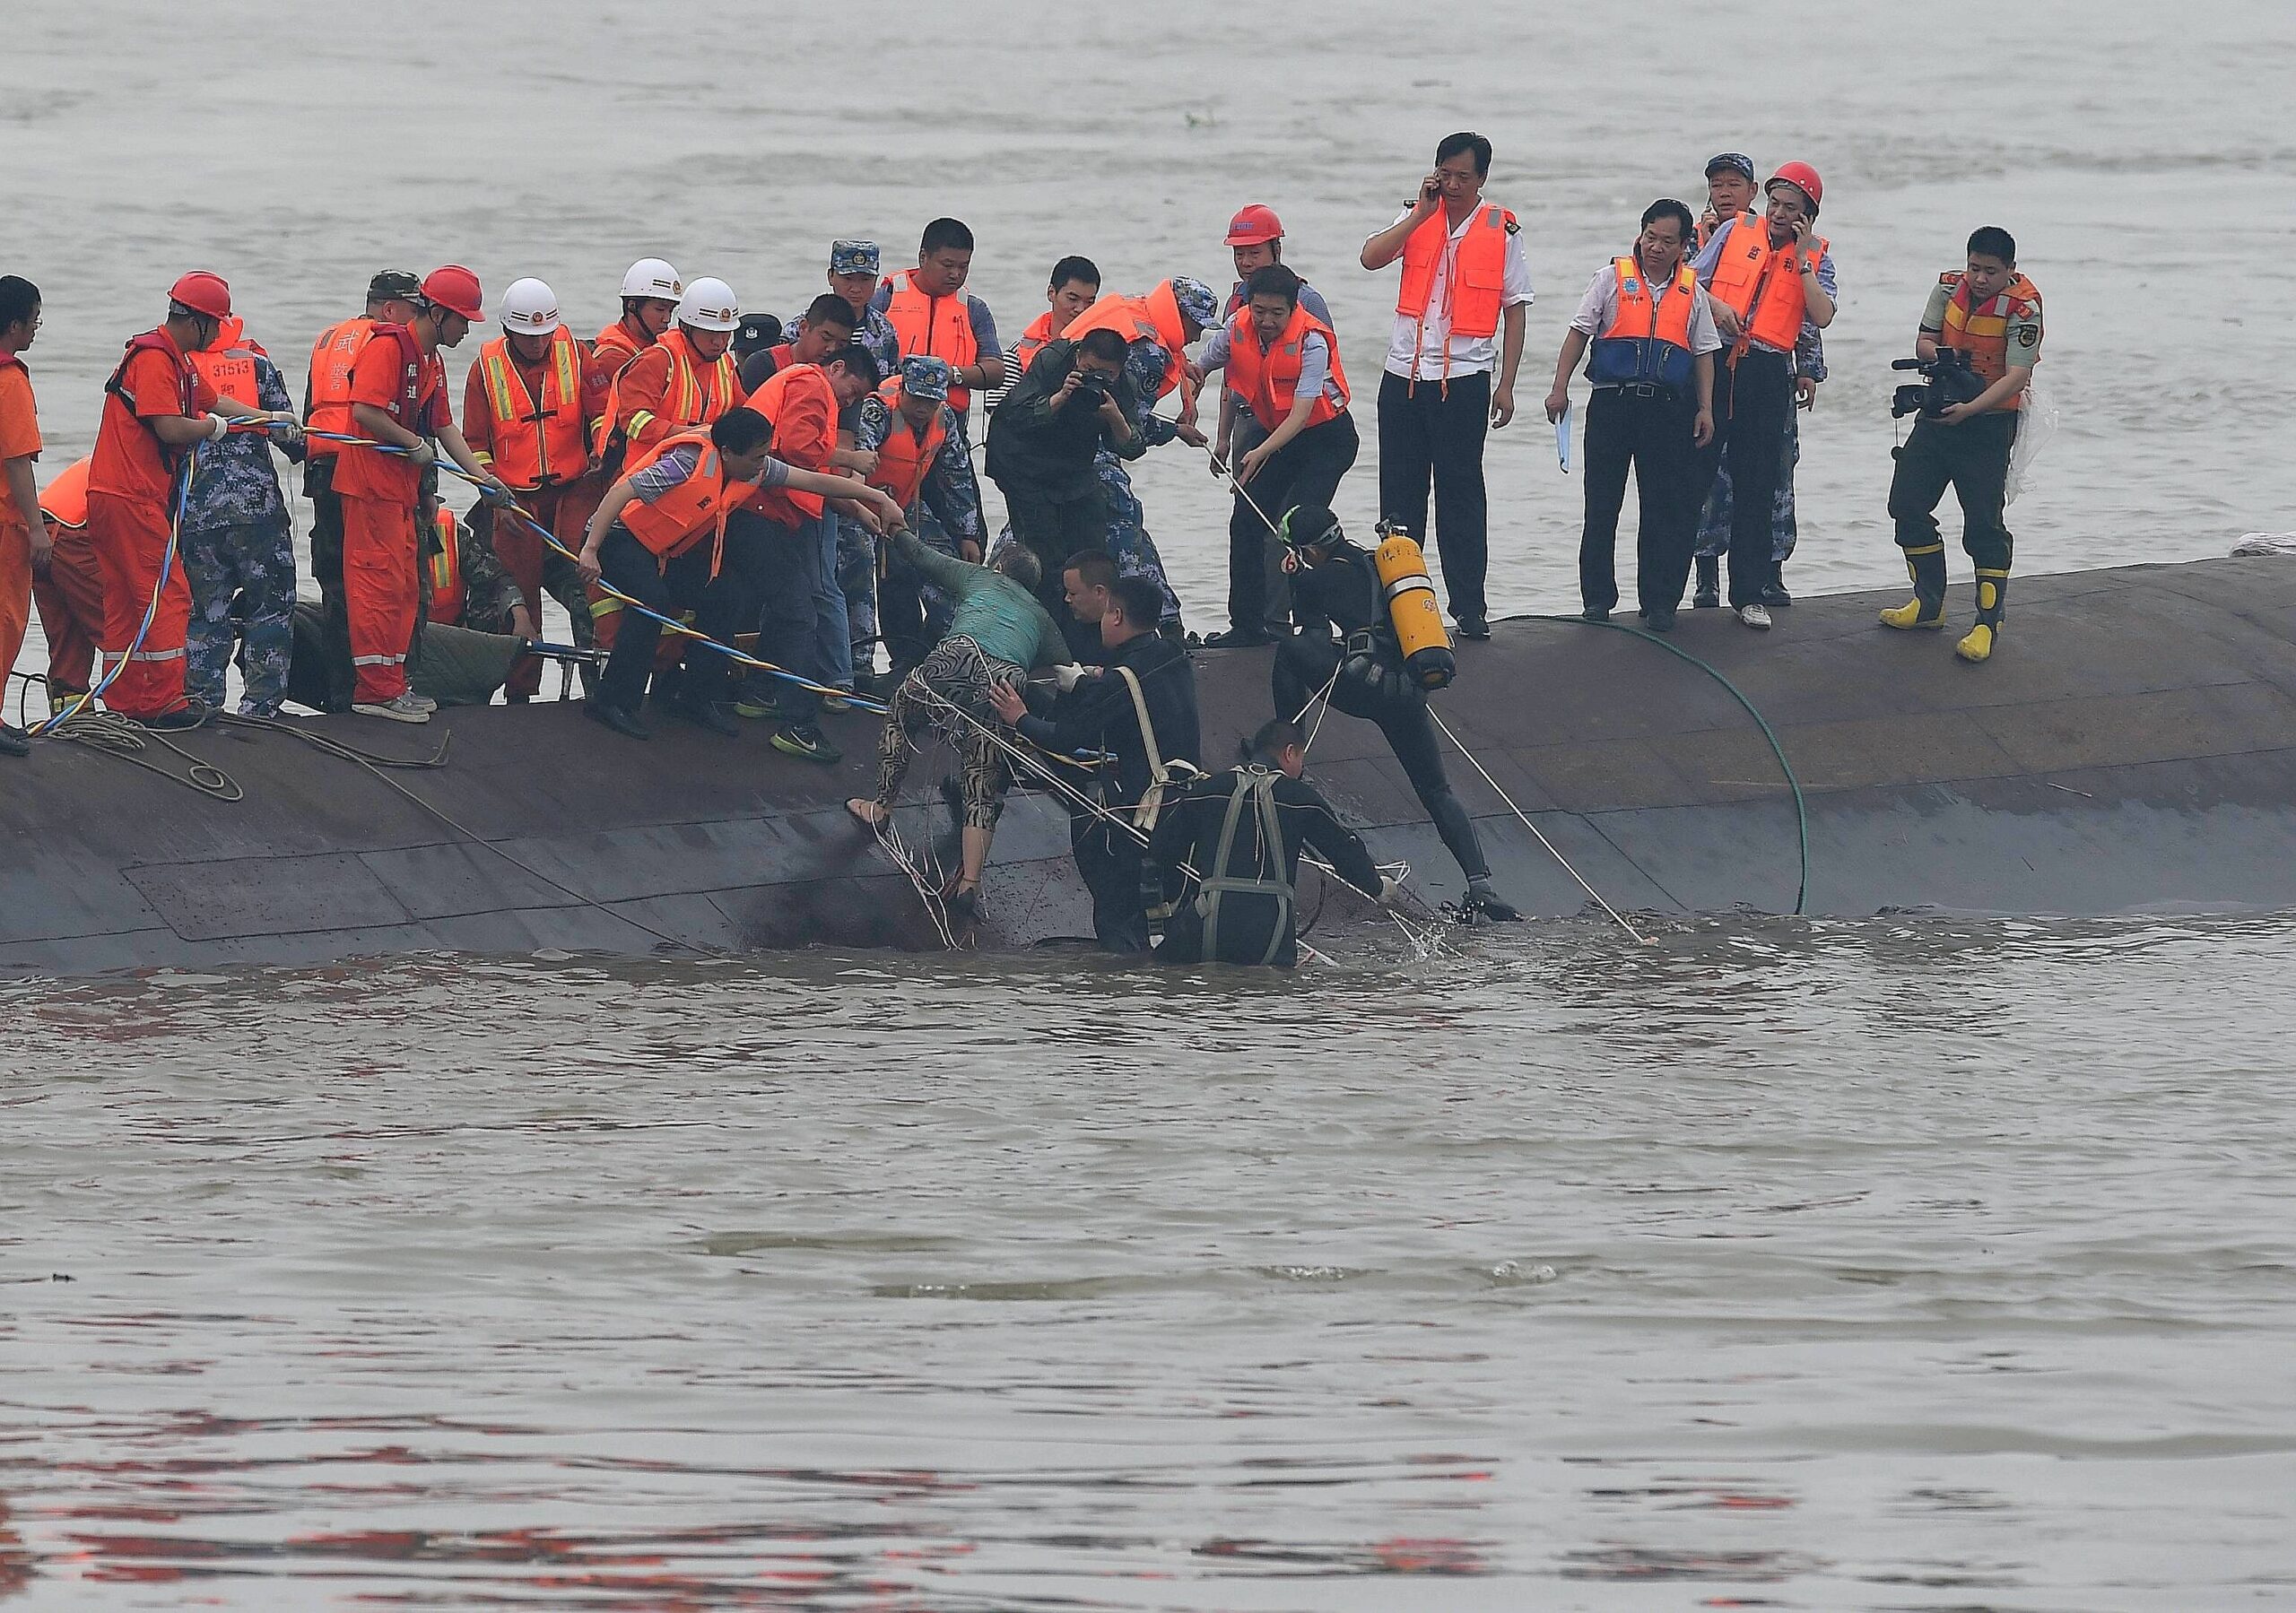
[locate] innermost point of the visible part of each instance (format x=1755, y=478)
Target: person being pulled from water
x=1991, y=313
x=1230, y=845
x=1365, y=675
x=997, y=631
x=1140, y=707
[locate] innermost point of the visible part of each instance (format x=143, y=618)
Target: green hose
x=1801, y=808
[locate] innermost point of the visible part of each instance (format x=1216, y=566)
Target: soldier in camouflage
x=947, y=517
x=238, y=557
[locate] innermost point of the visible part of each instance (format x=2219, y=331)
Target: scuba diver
x=1242, y=831
x=1378, y=677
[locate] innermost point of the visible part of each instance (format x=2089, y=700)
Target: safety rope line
x=127, y=739
x=1776, y=747
x=680, y=629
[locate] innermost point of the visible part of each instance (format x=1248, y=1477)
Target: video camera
x=1948, y=380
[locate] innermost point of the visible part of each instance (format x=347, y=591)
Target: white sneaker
x=422, y=702
x=403, y=709
x=1755, y=616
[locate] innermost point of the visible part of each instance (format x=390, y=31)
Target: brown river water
x=1905, y=1265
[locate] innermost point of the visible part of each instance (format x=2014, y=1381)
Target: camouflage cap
x=925, y=376
x=1196, y=303
x=401, y=285
x=853, y=258
x=1736, y=161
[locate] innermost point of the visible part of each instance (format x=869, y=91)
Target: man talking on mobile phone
x=1459, y=313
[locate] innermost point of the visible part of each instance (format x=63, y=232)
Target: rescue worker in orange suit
x=70, y=593
x=156, y=407
x=1459, y=312
x=774, y=540
x=1284, y=373
x=391, y=298
x=660, y=535
x=650, y=291
x=398, y=396
x=24, y=544
x=684, y=380
x=523, y=417
x=933, y=314
x=1653, y=339
x=1992, y=314
x=1768, y=274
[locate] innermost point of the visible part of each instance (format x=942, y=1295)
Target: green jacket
x=993, y=611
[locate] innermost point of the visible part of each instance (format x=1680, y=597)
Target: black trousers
x=1971, y=459
x=337, y=679
x=1652, y=435
x=683, y=585
x=1303, y=665
x=1435, y=432
x=778, y=567
x=1110, y=860
x=1306, y=471
x=1751, y=399
x=1054, y=527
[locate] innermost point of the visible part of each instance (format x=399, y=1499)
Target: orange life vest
x=905, y=459
x=186, y=381
x=1155, y=317
x=1031, y=342
x=1477, y=280
x=332, y=358
x=696, y=508
x=536, y=443
x=229, y=365
x=1762, y=285
x=781, y=504
x=65, y=500
x=616, y=343
x=1981, y=329
x=1268, y=380
x=444, y=569
x=699, y=390
x=1647, y=343
x=415, y=404
x=940, y=327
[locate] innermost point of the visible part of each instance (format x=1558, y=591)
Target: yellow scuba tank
x=1418, y=619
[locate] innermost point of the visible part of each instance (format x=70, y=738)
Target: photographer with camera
x=1042, y=440
x=1980, y=338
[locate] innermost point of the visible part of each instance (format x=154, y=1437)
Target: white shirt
x=1467, y=353
x=1599, y=306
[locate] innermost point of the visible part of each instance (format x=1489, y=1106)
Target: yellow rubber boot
x=1927, y=608
x=1992, y=605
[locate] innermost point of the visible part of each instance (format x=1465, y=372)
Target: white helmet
x=530, y=308
x=651, y=277
x=710, y=304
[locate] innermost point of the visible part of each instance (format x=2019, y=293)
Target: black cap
x=395, y=285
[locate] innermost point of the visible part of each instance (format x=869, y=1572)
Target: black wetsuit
x=1100, y=712
x=1252, y=926
x=1346, y=588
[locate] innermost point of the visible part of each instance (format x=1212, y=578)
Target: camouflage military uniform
x=1134, y=550
x=238, y=557
x=950, y=512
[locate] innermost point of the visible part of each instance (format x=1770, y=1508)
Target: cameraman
x=1991, y=314
x=1043, y=439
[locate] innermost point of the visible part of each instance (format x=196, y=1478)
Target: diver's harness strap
x=1162, y=774
x=1255, y=785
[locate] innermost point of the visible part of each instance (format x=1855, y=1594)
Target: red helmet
x=1802, y=177
x=455, y=289
x=203, y=293
x=1255, y=225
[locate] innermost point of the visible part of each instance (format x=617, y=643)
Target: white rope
x=1533, y=828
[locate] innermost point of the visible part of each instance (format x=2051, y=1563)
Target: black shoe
x=805, y=742
x=1234, y=638
x=1706, y=599
x=1776, y=597
x=1659, y=621
x=1588, y=614
x=708, y=715
x=14, y=742
x=1709, y=596
x=624, y=723
x=1483, y=899
x=1475, y=627
x=191, y=714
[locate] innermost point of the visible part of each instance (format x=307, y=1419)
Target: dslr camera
x=1947, y=379
x=1091, y=384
